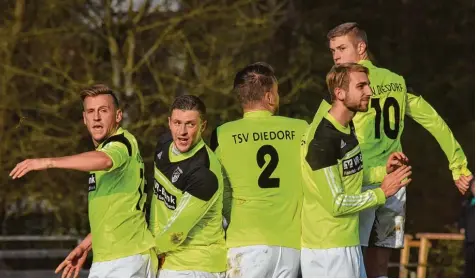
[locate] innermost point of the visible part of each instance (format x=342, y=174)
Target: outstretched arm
x=88, y=161
x=425, y=115
x=108, y=158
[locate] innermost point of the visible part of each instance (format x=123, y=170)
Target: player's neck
x=256, y=107
x=364, y=56
x=175, y=150
x=341, y=114
x=112, y=132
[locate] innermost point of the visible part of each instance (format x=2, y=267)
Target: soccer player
x=120, y=239
x=186, y=213
x=260, y=154
x=333, y=172
x=379, y=131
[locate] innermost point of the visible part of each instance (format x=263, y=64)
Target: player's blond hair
x=349, y=28
x=339, y=76
x=99, y=89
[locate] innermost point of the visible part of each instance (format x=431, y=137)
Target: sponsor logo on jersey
x=159, y=156
x=352, y=165
x=175, y=176
x=169, y=200
x=92, y=182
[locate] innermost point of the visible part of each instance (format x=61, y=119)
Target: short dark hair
x=99, y=89
x=253, y=81
x=189, y=102
x=349, y=28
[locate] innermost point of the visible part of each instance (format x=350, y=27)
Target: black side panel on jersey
x=122, y=139
x=323, y=150
x=201, y=183
x=214, y=140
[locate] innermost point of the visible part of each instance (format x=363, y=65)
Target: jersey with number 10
x=260, y=155
x=379, y=130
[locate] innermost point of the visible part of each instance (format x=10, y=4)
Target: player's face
x=343, y=50
x=358, y=96
x=101, y=117
x=186, y=127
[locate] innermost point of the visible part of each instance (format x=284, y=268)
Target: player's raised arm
x=87, y=161
x=425, y=115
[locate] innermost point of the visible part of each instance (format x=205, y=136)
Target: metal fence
x=35, y=256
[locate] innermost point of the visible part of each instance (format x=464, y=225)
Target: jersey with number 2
x=263, y=190
x=380, y=128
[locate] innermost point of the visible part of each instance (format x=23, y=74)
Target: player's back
x=380, y=128
x=261, y=158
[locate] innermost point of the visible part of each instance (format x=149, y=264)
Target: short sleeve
x=118, y=149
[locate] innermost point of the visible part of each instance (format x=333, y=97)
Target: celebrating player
x=333, y=175
x=186, y=213
x=263, y=191
x=119, y=236
x=379, y=131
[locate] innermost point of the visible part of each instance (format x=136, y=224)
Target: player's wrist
x=50, y=163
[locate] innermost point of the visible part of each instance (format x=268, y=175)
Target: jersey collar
x=182, y=156
x=345, y=130
x=118, y=131
x=366, y=63
x=257, y=114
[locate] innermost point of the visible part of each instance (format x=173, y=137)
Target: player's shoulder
x=231, y=125
x=323, y=149
x=202, y=183
x=326, y=131
x=388, y=74
x=123, y=138
x=292, y=121
x=212, y=160
x=164, y=141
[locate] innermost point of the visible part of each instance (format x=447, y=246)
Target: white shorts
x=135, y=266
x=167, y=273
x=263, y=261
x=384, y=226
x=346, y=262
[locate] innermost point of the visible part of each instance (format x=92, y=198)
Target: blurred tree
x=148, y=51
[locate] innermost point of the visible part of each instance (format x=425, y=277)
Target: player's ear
x=269, y=98
x=361, y=48
x=84, y=117
x=204, y=126
x=118, y=115
x=339, y=93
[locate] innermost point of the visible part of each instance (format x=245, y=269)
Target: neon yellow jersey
x=116, y=201
x=333, y=172
x=260, y=154
x=186, y=210
x=379, y=130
